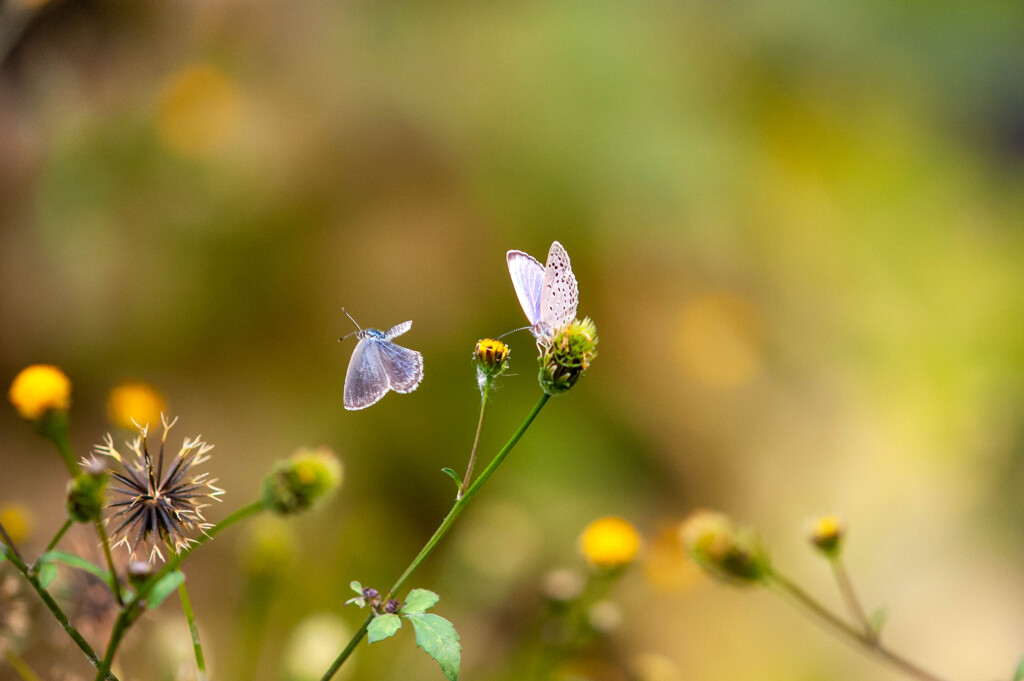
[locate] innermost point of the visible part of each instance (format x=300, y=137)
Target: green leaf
x=877, y=620
x=382, y=627
x=47, y=573
x=454, y=476
x=358, y=600
x=438, y=638
x=162, y=589
x=1019, y=674
x=74, y=561
x=419, y=600
x=356, y=586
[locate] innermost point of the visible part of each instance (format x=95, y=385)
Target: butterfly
x=548, y=293
x=378, y=365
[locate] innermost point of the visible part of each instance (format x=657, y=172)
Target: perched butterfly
x=548, y=293
x=378, y=365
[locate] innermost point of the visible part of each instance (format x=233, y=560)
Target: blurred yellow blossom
x=17, y=520
x=39, y=388
x=827, y=534
x=609, y=542
x=665, y=565
x=134, y=403
x=199, y=107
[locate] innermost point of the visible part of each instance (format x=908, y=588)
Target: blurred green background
x=798, y=226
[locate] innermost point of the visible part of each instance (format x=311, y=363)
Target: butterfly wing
x=404, y=367
x=560, y=294
x=366, y=380
x=527, y=279
x=397, y=330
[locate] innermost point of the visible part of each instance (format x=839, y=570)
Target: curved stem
x=115, y=585
x=850, y=596
x=476, y=440
x=441, y=531
x=868, y=644
x=186, y=606
x=60, y=535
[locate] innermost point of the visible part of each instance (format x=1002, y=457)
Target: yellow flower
x=609, y=542
x=134, y=403
x=17, y=520
x=199, y=108
x=827, y=534
x=38, y=389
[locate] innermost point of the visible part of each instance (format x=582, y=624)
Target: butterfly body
x=379, y=365
x=547, y=293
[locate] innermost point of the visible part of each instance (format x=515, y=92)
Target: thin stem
x=60, y=439
x=58, y=614
x=186, y=606
x=125, y=618
x=10, y=542
x=476, y=440
x=868, y=644
x=850, y=596
x=442, y=530
x=115, y=585
x=60, y=535
x=19, y=665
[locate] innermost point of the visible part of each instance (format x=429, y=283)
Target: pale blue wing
x=527, y=279
x=366, y=380
x=397, y=330
x=404, y=367
x=560, y=293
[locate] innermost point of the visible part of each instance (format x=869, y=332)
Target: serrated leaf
x=164, y=588
x=356, y=586
x=1019, y=674
x=382, y=627
x=47, y=573
x=877, y=620
x=358, y=600
x=454, y=476
x=74, y=561
x=419, y=600
x=438, y=638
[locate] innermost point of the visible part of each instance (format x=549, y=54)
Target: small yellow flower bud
x=609, y=542
x=135, y=403
x=298, y=482
x=726, y=552
x=567, y=356
x=827, y=535
x=38, y=389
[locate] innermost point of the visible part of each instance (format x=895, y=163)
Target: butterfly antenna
x=522, y=328
x=354, y=322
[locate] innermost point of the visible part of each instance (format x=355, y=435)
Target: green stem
x=442, y=530
x=476, y=440
x=10, y=542
x=186, y=606
x=60, y=535
x=867, y=643
x=20, y=666
x=850, y=596
x=58, y=614
x=125, y=618
x=115, y=585
x=59, y=436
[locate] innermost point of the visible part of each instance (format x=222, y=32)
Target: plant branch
x=186, y=606
x=850, y=596
x=476, y=440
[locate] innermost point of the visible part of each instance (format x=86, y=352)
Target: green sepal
x=438, y=638
x=47, y=573
x=164, y=588
x=382, y=627
x=74, y=561
x=419, y=600
x=454, y=476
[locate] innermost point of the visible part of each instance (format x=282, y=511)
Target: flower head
x=725, y=551
x=134, y=402
x=153, y=505
x=298, y=482
x=827, y=535
x=569, y=353
x=38, y=389
x=491, y=359
x=609, y=542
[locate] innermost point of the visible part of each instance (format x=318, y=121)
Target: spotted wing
x=404, y=367
x=366, y=380
x=527, y=279
x=560, y=293
x=397, y=330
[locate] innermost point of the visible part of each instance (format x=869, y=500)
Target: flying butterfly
x=548, y=293
x=379, y=365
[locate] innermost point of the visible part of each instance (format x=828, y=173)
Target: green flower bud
x=569, y=353
x=85, y=496
x=827, y=535
x=296, y=483
x=726, y=552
